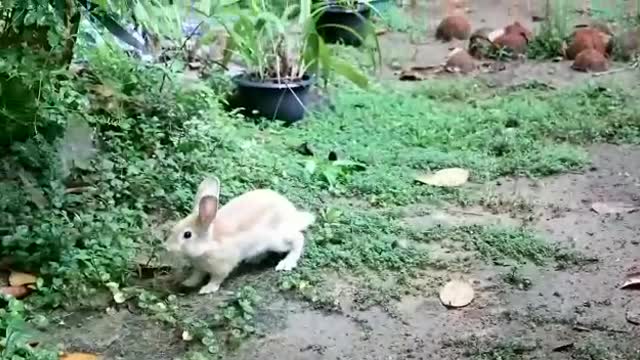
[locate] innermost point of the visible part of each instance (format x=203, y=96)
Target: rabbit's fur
x=247, y=227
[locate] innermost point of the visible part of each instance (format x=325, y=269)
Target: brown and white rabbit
x=250, y=225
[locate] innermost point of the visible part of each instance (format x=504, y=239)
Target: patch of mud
x=457, y=217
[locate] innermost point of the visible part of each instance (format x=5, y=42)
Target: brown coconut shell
x=517, y=28
x=453, y=27
x=513, y=41
x=587, y=38
x=481, y=41
x=590, y=60
x=460, y=60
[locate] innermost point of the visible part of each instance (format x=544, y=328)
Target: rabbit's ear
x=207, y=210
x=208, y=187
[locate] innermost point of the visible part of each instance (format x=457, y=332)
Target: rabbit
x=245, y=229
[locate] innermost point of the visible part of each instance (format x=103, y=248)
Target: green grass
x=153, y=147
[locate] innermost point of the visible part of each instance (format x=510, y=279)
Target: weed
x=515, y=278
x=512, y=350
x=479, y=349
x=395, y=19
x=494, y=243
x=15, y=337
x=591, y=351
x=555, y=30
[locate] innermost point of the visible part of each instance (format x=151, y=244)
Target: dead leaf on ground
x=410, y=75
x=564, y=347
x=382, y=31
x=149, y=265
x=613, y=208
x=17, y=292
x=20, y=279
x=633, y=312
x=79, y=356
x=492, y=67
x=456, y=293
x=632, y=282
x=419, y=72
x=451, y=177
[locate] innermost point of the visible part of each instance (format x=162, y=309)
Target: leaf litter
x=603, y=208
x=456, y=294
x=451, y=177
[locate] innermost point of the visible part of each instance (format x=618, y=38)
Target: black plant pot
x=356, y=20
x=272, y=100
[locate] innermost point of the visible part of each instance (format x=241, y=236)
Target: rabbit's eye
x=187, y=234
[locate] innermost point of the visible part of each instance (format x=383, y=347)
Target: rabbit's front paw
x=209, y=288
x=286, y=265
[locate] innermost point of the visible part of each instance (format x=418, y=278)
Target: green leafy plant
x=14, y=335
x=273, y=52
x=350, y=4
x=554, y=31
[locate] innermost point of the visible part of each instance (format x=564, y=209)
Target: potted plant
x=282, y=63
x=345, y=21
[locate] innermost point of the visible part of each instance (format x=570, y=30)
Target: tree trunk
x=72, y=17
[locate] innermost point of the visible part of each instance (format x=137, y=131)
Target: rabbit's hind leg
x=294, y=244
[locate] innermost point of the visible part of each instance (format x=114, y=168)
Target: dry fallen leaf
x=632, y=313
x=446, y=177
x=456, y=293
x=79, y=356
x=409, y=75
x=186, y=336
x=612, y=207
x=20, y=279
x=633, y=282
x=17, y=292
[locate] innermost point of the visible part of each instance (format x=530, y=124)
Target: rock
x=514, y=41
x=518, y=28
x=587, y=38
x=453, y=27
x=459, y=60
x=590, y=60
x=481, y=41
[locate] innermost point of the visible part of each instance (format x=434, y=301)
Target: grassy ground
x=83, y=223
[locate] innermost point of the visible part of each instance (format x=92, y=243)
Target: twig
x=633, y=66
x=77, y=190
x=208, y=62
x=184, y=44
x=585, y=328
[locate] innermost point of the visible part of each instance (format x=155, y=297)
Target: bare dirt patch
x=576, y=311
